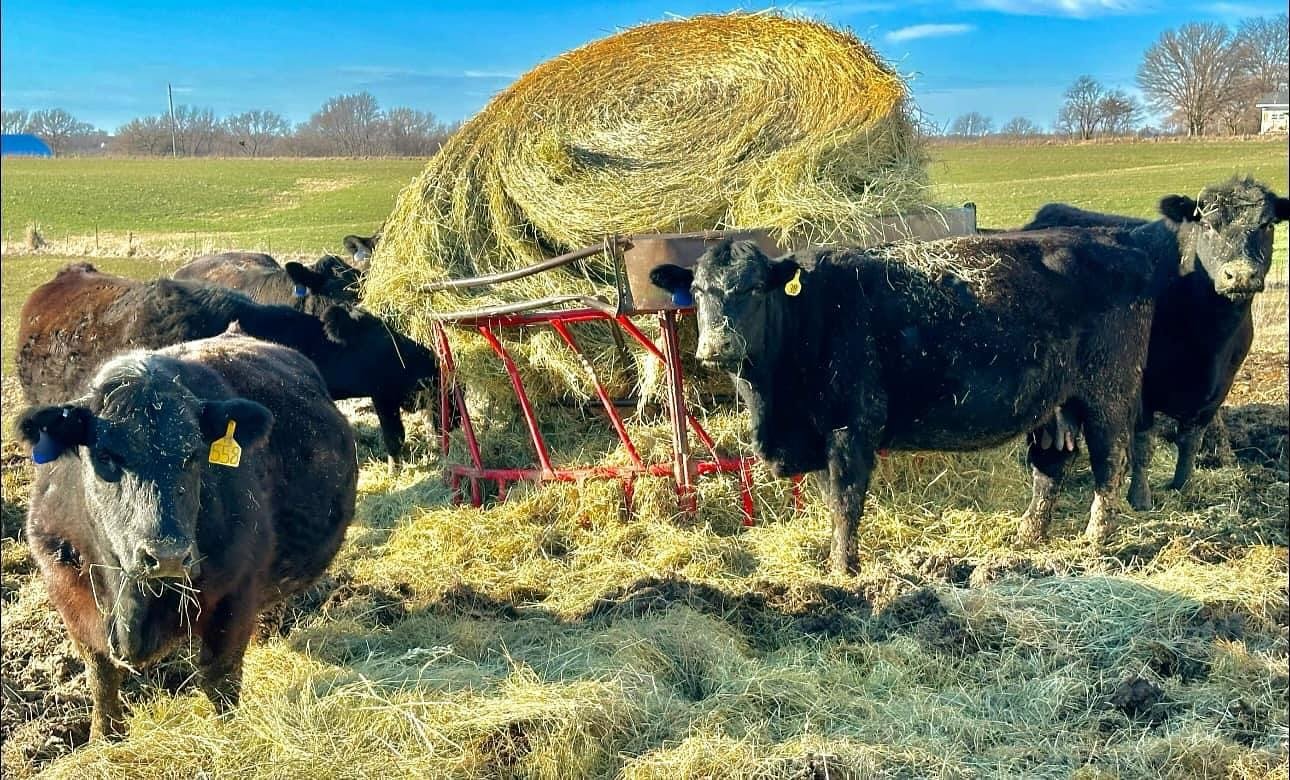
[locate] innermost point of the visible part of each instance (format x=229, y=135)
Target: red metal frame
x=685, y=467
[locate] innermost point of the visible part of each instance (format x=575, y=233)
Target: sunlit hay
x=730, y=758
x=723, y=121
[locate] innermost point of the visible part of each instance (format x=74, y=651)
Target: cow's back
x=73, y=323
x=230, y=269
x=312, y=467
x=61, y=338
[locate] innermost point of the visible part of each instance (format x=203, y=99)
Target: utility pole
x=170, y=95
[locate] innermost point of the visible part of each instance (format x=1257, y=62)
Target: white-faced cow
x=840, y=352
x=71, y=324
x=328, y=281
x=148, y=530
x=1221, y=244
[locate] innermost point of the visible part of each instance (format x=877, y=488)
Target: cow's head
x=143, y=440
x=361, y=247
x=733, y=287
x=385, y=356
x=1226, y=234
x=329, y=278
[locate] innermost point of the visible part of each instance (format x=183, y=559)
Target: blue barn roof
x=24, y=145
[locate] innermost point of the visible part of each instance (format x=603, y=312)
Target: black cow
x=142, y=541
x=840, y=352
x=1221, y=244
x=69, y=325
x=310, y=288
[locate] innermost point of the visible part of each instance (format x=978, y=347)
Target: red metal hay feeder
x=636, y=297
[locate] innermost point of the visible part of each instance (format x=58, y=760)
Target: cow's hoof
x=1031, y=531
x=1141, y=501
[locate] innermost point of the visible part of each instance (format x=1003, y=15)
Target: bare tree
x=347, y=124
x=255, y=131
x=1263, y=46
x=410, y=133
x=1193, y=71
x=144, y=135
x=1080, y=114
x=1262, y=49
x=195, y=130
x=15, y=121
x=1119, y=113
x=972, y=125
x=57, y=127
x=1019, y=126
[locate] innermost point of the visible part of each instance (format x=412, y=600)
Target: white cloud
x=836, y=9
x=1080, y=9
x=489, y=74
x=917, y=31
x=1242, y=10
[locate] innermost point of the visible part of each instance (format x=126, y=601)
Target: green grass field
x=551, y=637
x=255, y=205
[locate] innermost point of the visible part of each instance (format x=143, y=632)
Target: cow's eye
x=107, y=465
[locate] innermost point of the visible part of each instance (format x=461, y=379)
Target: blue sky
x=107, y=61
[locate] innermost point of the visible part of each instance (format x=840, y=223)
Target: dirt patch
x=1188, y=661
x=1259, y=435
x=337, y=596
x=766, y=615
x=1140, y=700
x=923, y=615
x=1016, y=566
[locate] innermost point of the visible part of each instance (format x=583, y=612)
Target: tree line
x=345, y=126
x=1201, y=79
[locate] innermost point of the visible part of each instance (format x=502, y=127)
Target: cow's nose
x=164, y=560
x=1241, y=277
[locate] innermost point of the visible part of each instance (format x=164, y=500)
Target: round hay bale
x=723, y=121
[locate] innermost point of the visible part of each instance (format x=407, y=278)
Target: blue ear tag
x=300, y=291
x=46, y=449
x=682, y=298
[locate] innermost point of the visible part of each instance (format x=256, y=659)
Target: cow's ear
x=252, y=421
x=341, y=324
x=672, y=278
x=1282, y=209
x=781, y=273
x=305, y=277
x=1178, y=208
x=52, y=430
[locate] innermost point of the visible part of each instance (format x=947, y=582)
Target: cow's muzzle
x=1240, y=281
x=158, y=559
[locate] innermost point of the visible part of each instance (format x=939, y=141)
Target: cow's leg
x=850, y=464
x=224, y=641
x=1107, y=434
x=1144, y=445
x=1190, y=436
x=107, y=719
x=1048, y=466
x=387, y=412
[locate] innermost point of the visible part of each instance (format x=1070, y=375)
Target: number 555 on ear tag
x=226, y=451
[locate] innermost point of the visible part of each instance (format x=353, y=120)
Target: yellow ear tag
x=794, y=286
x=226, y=451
